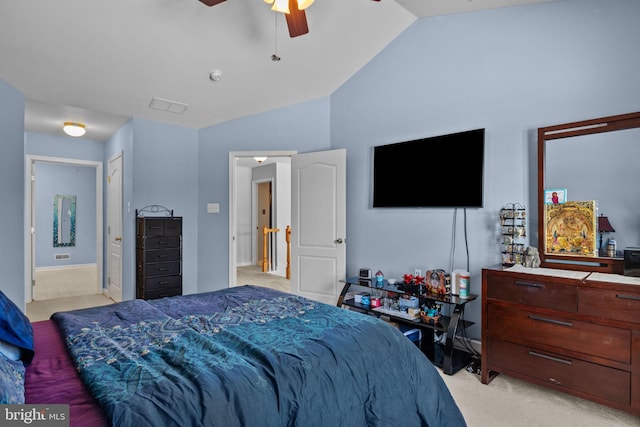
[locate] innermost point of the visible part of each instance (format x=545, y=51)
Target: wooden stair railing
x=288, y=238
x=265, y=252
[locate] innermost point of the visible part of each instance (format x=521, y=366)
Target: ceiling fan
x=296, y=18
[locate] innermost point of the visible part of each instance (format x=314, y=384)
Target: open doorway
x=91, y=201
x=259, y=194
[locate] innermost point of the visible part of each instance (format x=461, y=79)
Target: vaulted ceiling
x=103, y=62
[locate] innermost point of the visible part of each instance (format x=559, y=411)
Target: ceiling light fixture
x=260, y=159
x=283, y=5
x=74, y=129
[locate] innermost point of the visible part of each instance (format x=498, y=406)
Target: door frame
x=233, y=203
x=29, y=244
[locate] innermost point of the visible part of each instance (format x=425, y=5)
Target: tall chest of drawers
x=576, y=332
x=158, y=257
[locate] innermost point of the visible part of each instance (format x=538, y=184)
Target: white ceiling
x=102, y=62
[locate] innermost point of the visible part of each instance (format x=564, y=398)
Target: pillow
x=11, y=381
x=15, y=328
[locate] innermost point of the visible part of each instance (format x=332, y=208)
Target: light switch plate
x=213, y=207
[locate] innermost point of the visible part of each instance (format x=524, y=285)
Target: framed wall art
x=555, y=196
x=570, y=228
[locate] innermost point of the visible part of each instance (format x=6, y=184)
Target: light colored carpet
x=253, y=275
x=42, y=310
x=509, y=402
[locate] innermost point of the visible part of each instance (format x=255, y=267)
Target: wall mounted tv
x=439, y=171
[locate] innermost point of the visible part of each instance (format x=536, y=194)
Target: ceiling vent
x=169, y=106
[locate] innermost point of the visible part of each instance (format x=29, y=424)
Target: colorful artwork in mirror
x=570, y=228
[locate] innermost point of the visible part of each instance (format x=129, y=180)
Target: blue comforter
x=251, y=356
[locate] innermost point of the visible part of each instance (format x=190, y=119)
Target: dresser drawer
x=534, y=291
x=150, y=226
x=159, y=242
x=610, y=304
x=561, y=371
x=602, y=341
x=158, y=293
x=172, y=227
x=163, y=282
x=162, y=255
x=159, y=226
x=159, y=269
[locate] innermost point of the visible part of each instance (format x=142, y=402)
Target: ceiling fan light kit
x=293, y=11
x=283, y=5
x=279, y=5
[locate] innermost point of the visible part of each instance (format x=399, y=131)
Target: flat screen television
x=439, y=171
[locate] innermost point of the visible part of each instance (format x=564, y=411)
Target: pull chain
x=275, y=56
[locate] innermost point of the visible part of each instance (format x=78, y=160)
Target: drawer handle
x=154, y=228
x=530, y=285
x=163, y=269
x=553, y=359
x=631, y=297
x=163, y=243
x=163, y=283
x=556, y=322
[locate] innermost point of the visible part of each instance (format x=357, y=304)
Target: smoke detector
x=215, y=75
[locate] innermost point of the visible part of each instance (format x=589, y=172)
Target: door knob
x=339, y=240
x=118, y=239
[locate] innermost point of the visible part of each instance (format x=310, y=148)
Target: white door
x=318, y=224
x=114, y=228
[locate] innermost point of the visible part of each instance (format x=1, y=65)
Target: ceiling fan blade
x=296, y=20
x=211, y=2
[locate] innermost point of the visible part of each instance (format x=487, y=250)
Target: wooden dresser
x=576, y=332
x=158, y=257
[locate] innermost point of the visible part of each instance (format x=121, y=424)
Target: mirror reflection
x=593, y=160
x=64, y=221
x=601, y=167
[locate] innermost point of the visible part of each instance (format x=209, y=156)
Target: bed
x=243, y=356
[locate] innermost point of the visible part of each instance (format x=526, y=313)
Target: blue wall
x=164, y=172
x=508, y=70
x=12, y=190
x=303, y=127
x=80, y=181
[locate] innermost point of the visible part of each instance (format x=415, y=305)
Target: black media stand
x=445, y=356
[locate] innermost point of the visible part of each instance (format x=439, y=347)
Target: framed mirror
x=64, y=221
x=592, y=160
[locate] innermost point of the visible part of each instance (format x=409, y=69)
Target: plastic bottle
x=611, y=248
x=465, y=284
